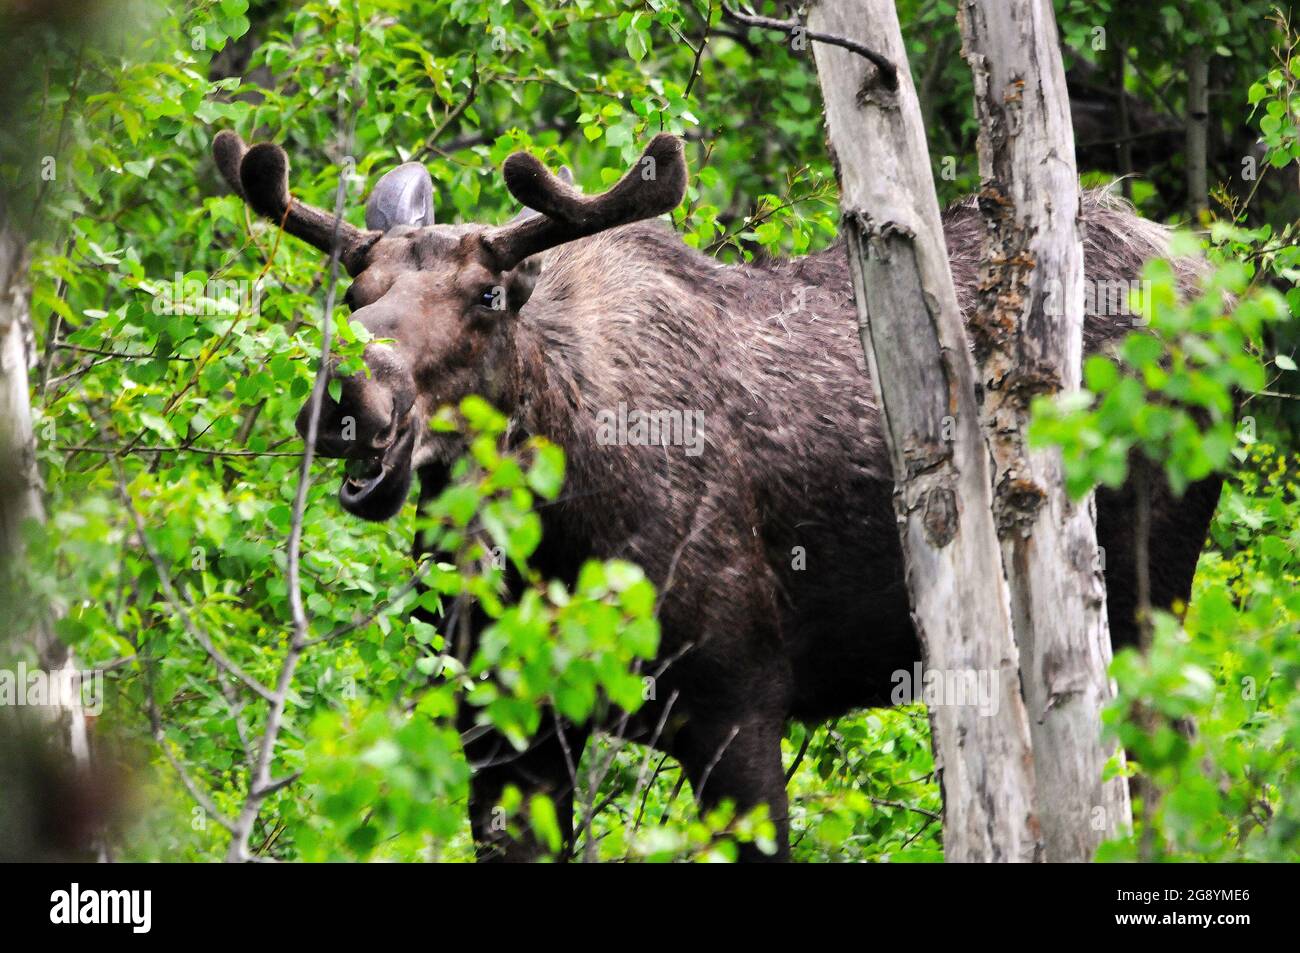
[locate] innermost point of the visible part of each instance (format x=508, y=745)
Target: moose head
x=441, y=300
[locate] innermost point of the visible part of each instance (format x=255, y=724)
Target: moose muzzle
x=372, y=428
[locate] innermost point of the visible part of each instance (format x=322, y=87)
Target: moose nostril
x=327, y=422
x=366, y=420
x=383, y=437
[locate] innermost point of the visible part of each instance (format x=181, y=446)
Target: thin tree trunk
x=1125, y=123
x=1143, y=786
x=1028, y=335
x=1198, y=119
x=20, y=494
x=917, y=353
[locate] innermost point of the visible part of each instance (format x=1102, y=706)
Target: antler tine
x=653, y=186
x=260, y=176
x=228, y=150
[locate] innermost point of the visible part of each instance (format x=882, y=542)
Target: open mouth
x=375, y=487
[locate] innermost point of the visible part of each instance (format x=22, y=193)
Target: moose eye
x=493, y=297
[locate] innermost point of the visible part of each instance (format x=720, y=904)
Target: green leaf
x=546, y=473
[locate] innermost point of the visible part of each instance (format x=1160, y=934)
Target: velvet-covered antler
x=260, y=175
x=653, y=186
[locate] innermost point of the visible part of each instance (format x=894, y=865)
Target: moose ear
x=403, y=196
x=565, y=175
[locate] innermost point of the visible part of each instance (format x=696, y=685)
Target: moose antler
x=260, y=176
x=653, y=186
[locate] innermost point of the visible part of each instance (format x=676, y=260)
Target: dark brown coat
x=771, y=540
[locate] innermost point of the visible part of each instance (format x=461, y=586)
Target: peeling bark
x=1028, y=337
x=916, y=350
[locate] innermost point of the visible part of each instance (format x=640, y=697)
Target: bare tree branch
x=798, y=759
x=261, y=786
x=430, y=142
x=374, y=614
x=123, y=451
x=888, y=74
x=708, y=769
x=194, y=790
x=222, y=661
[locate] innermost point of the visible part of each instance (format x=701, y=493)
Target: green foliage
x=573, y=650
x=1212, y=713
x=1168, y=390
x=869, y=792
x=1276, y=101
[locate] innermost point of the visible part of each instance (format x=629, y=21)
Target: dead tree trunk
x=1028, y=339
x=917, y=353
x=1198, y=121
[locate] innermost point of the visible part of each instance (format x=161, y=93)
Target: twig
x=71, y=375
x=1271, y=393
x=64, y=345
x=595, y=778
x=798, y=759
x=194, y=790
x=645, y=792
x=173, y=598
x=54, y=324
x=672, y=798
x=430, y=142
x=261, y=785
x=278, y=785
x=568, y=753
x=645, y=784
x=699, y=52
x=722, y=749
x=1131, y=137
x=907, y=843
x=375, y=613
x=123, y=451
x=905, y=807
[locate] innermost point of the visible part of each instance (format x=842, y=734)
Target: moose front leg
x=738, y=759
x=547, y=767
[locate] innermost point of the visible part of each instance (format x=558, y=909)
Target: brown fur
x=794, y=458
x=774, y=549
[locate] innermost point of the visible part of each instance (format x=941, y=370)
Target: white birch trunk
x=20, y=484
x=20, y=490
x=918, y=356
x=1028, y=337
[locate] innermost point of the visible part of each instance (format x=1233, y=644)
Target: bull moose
x=603, y=308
